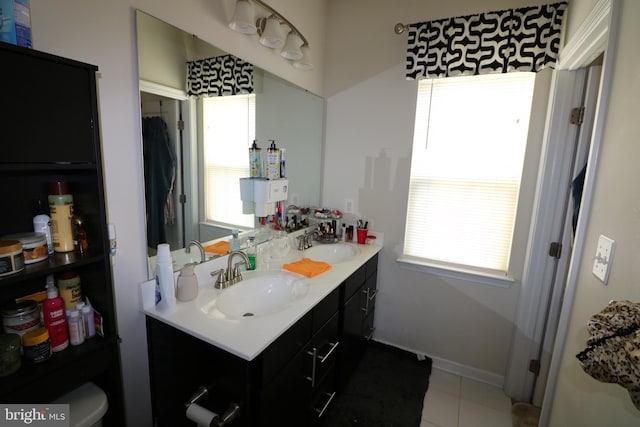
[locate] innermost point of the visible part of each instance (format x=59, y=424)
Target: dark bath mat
x=386, y=390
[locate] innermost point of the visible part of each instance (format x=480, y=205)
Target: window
x=468, y=151
x=229, y=129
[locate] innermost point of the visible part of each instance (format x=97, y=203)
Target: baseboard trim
x=454, y=367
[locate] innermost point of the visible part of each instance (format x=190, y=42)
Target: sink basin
x=258, y=294
x=332, y=253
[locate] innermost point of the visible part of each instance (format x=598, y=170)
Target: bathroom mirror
x=286, y=113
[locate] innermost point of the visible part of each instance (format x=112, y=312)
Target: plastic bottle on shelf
x=61, y=210
x=76, y=328
x=54, y=319
x=42, y=224
x=70, y=289
x=165, y=287
x=88, y=318
x=251, y=251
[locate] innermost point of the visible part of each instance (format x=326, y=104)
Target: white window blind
x=228, y=131
x=468, y=151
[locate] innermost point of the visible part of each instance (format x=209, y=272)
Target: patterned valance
x=219, y=76
x=524, y=39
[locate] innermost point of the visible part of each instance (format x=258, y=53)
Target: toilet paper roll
x=201, y=416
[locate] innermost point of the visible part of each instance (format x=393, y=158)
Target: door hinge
x=534, y=366
x=180, y=124
x=182, y=198
x=577, y=116
x=555, y=250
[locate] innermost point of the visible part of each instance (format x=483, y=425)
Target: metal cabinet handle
x=334, y=345
x=326, y=405
x=368, y=337
x=314, y=356
x=370, y=297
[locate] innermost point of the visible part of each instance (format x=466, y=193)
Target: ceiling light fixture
x=295, y=46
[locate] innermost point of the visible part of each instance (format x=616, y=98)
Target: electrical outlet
x=603, y=259
x=348, y=205
x=295, y=199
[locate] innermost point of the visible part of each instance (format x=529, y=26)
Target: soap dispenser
x=273, y=161
x=187, y=283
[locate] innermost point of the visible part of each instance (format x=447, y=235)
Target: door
x=584, y=118
x=172, y=219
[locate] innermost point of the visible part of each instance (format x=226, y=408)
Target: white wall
x=465, y=326
x=103, y=33
x=580, y=400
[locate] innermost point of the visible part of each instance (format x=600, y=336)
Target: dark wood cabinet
x=291, y=383
x=358, y=316
x=50, y=133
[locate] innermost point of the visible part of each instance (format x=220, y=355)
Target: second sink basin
x=259, y=294
x=332, y=253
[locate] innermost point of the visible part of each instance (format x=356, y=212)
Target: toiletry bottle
x=251, y=251
x=55, y=320
x=255, y=160
x=76, y=328
x=165, y=288
x=70, y=289
x=283, y=173
x=88, y=319
x=273, y=161
x=234, y=244
x=187, y=283
x=42, y=224
x=61, y=210
x=80, y=242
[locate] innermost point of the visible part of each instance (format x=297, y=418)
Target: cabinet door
x=62, y=131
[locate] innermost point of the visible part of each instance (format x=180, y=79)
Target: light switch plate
x=604, y=258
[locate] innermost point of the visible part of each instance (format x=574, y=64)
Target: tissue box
x=15, y=22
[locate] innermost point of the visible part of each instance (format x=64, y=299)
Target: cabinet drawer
x=354, y=281
x=326, y=308
x=285, y=347
x=372, y=266
x=323, y=351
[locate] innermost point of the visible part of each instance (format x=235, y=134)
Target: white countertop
x=248, y=337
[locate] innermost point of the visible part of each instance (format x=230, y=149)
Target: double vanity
x=277, y=344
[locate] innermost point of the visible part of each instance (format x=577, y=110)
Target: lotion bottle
x=55, y=320
x=187, y=283
x=165, y=287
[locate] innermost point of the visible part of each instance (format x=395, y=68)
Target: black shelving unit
x=49, y=122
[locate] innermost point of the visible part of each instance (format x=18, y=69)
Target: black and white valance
x=524, y=39
x=219, y=76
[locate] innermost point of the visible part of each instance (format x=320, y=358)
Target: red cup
x=362, y=235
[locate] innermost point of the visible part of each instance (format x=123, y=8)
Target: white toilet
x=87, y=405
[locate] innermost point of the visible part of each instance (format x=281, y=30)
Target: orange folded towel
x=221, y=248
x=307, y=267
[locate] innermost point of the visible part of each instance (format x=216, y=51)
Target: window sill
x=485, y=278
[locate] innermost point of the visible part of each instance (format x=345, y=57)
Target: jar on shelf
x=21, y=317
x=11, y=258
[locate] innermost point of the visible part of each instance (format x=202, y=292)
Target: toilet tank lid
x=87, y=404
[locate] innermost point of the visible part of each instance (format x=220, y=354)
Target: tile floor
x=454, y=401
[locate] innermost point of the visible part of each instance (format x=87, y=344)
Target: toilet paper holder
x=229, y=415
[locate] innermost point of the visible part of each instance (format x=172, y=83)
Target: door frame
x=595, y=36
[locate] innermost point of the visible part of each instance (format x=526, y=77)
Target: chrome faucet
x=187, y=249
x=232, y=275
x=305, y=240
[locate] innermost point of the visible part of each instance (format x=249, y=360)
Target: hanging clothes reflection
x=159, y=172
